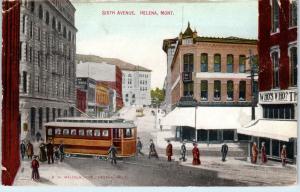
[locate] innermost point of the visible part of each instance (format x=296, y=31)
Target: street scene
x=149, y=94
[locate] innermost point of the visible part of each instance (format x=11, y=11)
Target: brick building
x=81, y=101
x=212, y=71
x=277, y=48
x=102, y=99
x=47, y=63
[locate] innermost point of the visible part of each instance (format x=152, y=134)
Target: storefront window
x=282, y=111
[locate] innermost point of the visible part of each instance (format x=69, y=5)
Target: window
x=217, y=90
x=217, y=63
x=57, y=131
x=128, y=133
x=229, y=63
x=47, y=18
x=81, y=132
x=53, y=114
x=229, y=90
x=40, y=12
x=65, y=32
x=53, y=23
x=69, y=36
x=242, y=63
x=24, y=81
x=293, y=60
x=59, y=26
x=280, y=111
x=59, y=112
x=24, y=23
x=105, y=133
x=242, y=90
x=275, y=63
x=47, y=114
x=275, y=16
x=49, y=132
x=188, y=62
x=293, y=13
x=73, y=132
x=204, y=62
x=30, y=54
x=97, y=133
x=188, y=89
x=204, y=90
x=66, y=132
x=32, y=6
x=40, y=118
x=89, y=132
x=31, y=29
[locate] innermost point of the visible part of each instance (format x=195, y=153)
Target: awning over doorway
x=282, y=130
x=209, y=117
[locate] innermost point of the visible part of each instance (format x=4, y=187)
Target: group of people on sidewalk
x=264, y=159
x=46, y=152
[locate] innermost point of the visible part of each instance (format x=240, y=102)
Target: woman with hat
x=264, y=158
x=196, y=155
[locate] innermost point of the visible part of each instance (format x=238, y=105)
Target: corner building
x=47, y=63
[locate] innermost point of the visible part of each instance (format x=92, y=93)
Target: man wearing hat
x=50, y=150
x=169, y=151
x=35, y=169
x=152, y=151
x=183, y=152
x=264, y=158
x=23, y=149
x=139, y=147
x=283, y=155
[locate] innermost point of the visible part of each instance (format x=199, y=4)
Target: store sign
x=280, y=96
x=186, y=76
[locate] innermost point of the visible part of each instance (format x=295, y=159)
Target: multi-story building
x=47, y=63
x=102, y=99
x=81, y=101
x=277, y=48
x=213, y=72
x=89, y=86
x=136, y=87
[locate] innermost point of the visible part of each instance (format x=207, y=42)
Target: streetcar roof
x=90, y=125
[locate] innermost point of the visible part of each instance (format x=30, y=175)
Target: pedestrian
x=196, y=155
x=264, y=158
x=254, y=153
x=23, y=149
x=35, y=169
x=112, y=152
x=139, y=147
x=61, y=151
x=56, y=153
x=169, y=151
x=224, y=151
x=43, y=155
x=183, y=152
x=283, y=155
x=38, y=136
x=29, y=150
x=50, y=151
x=152, y=151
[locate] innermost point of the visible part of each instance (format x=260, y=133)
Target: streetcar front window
x=89, y=132
x=81, y=132
x=57, y=131
x=105, y=133
x=49, y=131
x=97, y=133
x=66, y=132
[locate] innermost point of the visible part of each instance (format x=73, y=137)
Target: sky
x=138, y=39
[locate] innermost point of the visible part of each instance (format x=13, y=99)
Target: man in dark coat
x=183, y=152
x=169, y=151
x=224, y=151
x=139, y=147
x=152, y=151
x=50, y=152
x=35, y=169
x=29, y=150
x=113, y=154
x=23, y=149
x=61, y=151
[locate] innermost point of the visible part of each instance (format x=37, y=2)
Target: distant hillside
x=121, y=64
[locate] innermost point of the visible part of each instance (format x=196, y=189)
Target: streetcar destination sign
x=280, y=96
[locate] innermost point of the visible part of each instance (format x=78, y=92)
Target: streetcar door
x=117, y=138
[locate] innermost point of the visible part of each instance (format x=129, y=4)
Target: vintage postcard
x=198, y=93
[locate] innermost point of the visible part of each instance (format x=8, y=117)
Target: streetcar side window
x=50, y=131
x=128, y=133
x=73, y=132
x=81, y=132
x=66, y=132
x=97, y=133
x=105, y=133
x=89, y=132
x=57, y=131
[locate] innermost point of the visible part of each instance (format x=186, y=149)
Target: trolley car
x=90, y=136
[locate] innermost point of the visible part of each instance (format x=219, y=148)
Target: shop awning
x=282, y=130
x=209, y=117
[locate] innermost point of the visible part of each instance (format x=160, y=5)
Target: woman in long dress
x=264, y=158
x=196, y=155
x=43, y=155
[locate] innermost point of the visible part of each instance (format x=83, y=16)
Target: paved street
x=141, y=171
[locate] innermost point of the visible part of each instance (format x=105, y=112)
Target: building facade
x=136, y=87
x=89, y=86
x=47, y=63
x=213, y=71
x=81, y=101
x=102, y=99
x=277, y=48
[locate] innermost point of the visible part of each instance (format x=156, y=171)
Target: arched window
x=242, y=90
x=47, y=18
x=229, y=63
x=204, y=62
x=53, y=23
x=275, y=16
x=217, y=63
x=188, y=62
x=293, y=61
x=217, y=90
x=275, y=63
x=40, y=12
x=242, y=63
x=229, y=90
x=65, y=32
